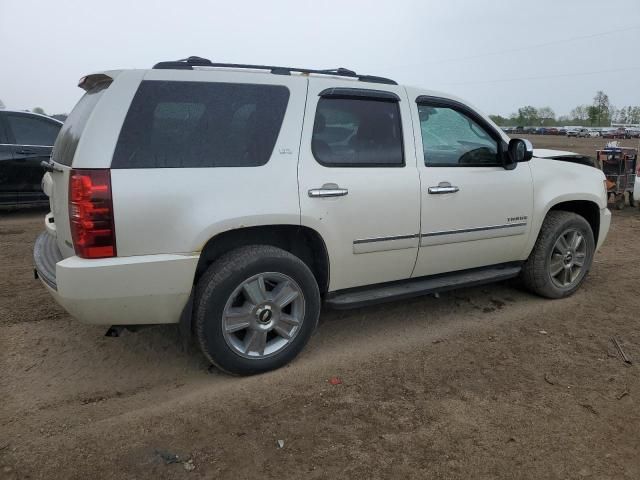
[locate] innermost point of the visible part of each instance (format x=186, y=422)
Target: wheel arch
x=587, y=209
x=303, y=242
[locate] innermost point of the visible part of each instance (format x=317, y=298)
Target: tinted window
x=67, y=142
x=31, y=130
x=357, y=132
x=201, y=124
x=451, y=138
x=3, y=135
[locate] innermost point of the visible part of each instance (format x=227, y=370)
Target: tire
x=543, y=262
x=244, y=288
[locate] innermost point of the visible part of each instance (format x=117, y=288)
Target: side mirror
x=520, y=150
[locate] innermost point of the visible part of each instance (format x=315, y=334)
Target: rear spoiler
x=89, y=81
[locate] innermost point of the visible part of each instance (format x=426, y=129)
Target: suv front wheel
x=561, y=257
x=255, y=309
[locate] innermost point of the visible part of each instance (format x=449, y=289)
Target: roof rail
x=190, y=62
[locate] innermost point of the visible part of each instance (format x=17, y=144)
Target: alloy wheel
x=263, y=315
x=567, y=260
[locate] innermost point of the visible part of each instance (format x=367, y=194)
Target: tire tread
x=218, y=272
x=534, y=273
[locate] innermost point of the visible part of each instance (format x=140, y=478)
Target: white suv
x=235, y=199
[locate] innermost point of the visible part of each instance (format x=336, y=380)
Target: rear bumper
x=605, y=223
x=46, y=255
x=136, y=290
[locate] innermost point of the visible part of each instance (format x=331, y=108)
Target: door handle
x=328, y=190
x=443, y=187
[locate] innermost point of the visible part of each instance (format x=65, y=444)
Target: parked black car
x=25, y=140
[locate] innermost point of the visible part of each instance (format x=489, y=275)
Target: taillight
x=91, y=213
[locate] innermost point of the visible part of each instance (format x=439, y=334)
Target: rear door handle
x=443, y=187
x=328, y=190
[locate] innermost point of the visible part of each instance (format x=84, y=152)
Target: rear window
x=200, y=124
x=69, y=136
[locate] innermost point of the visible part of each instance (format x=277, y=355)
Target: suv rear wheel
x=561, y=257
x=256, y=308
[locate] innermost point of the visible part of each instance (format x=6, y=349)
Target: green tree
x=602, y=107
x=593, y=114
x=547, y=116
x=2, y=107
x=579, y=114
x=527, y=116
x=629, y=114
x=499, y=120
x=39, y=110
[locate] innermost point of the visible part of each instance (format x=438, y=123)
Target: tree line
x=600, y=113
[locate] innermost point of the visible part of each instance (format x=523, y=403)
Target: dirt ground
x=482, y=383
x=585, y=146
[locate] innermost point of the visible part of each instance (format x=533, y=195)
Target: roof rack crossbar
x=190, y=62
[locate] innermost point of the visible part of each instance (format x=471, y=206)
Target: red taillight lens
x=91, y=213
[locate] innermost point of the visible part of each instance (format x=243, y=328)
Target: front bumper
x=146, y=289
x=605, y=223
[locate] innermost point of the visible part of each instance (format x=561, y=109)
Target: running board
x=387, y=292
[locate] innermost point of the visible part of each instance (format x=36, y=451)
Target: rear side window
x=67, y=141
x=350, y=132
x=201, y=124
x=32, y=130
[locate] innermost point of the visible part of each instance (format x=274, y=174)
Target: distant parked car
x=25, y=140
x=572, y=132
x=583, y=133
x=594, y=133
x=616, y=133
x=633, y=132
x=562, y=131
x=552, y=131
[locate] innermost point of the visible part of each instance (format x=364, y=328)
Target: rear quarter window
x=69, y=136
x=201, y=124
